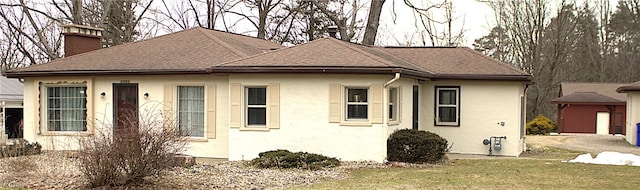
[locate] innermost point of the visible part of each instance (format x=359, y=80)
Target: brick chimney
x=79, y=39
x=332, y=31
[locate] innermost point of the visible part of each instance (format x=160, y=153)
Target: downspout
x=385, y=108
x=394, y=79
x=385, y=111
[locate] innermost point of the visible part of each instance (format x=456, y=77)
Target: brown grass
x=541, y=169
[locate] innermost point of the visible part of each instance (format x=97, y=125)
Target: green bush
x=540, y=125
x=413, y=146
x=20, y=148
x=287, y=159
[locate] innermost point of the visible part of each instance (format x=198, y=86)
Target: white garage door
x=602, y=123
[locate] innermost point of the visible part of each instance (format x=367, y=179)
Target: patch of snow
x=609, y=158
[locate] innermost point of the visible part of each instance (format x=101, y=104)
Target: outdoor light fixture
x=146, y=95
x=102, y=94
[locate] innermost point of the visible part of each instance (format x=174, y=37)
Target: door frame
x=416, y=107
x=115, y=103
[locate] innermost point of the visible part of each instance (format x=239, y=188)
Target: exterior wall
x=483, y=106
x=102, y=110
x=304, y=122
x=582, y=118
x=633, y=117
x=304, y=115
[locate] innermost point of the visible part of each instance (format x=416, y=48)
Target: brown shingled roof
x=195, y=49
x=587, y=98
x=605, y=89
x=330, y=54
x=455, y=62
x=201, y=50
x=629, y=87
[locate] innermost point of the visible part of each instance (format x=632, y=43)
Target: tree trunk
x=373, y=22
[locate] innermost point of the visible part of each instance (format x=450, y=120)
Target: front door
x=125, y=109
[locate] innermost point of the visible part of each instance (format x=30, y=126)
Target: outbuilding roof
x=587, y=98
x=10, y=89
x=202, y=50
x=605, y=89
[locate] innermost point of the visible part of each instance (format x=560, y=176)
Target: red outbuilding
x=594, y=108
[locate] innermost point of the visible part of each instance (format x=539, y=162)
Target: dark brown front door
x=125, y=109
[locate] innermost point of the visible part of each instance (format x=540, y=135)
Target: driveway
x=593, y=144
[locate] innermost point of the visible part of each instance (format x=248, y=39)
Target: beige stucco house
x=240, y=95
x=633, y=109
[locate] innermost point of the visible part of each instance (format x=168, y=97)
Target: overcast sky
x=477, y=17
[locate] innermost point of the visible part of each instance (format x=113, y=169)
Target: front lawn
x=539, y=168
x=492, y=174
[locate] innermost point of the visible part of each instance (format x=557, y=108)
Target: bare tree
x=31, y=31
x=439, y=30
x=373, y=22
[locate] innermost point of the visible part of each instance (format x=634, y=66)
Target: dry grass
x=492, y=174
x=542, y=168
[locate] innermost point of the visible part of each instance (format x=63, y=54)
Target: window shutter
x=235, y=99
x=399, y=104
x=211, y=110
x=273, y=107
x=376, y=103
x=334, y=103
x=168, y=103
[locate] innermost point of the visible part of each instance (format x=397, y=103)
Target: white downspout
x=394, y=79
x=385, y=111
x=385, y=108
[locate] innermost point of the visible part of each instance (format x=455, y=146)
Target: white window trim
x=396, y=119
x=437, y=106
x=177, y=110
x=245, y=115
x=41, y=117
x=347, y=104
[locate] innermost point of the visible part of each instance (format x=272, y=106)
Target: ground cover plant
x=288, y=159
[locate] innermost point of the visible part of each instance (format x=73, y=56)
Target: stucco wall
x=483, y=105
x=103, y=110
x=304, y=115
x=633, y=117
x=304, y=122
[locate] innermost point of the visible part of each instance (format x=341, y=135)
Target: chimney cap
x=332, y=31
x=81, y=29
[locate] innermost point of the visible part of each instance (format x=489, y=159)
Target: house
x=594, y=108
x=10, y=108
x=244, y=95
x=633, y=108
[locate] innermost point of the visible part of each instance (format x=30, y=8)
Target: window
x=191, y=110
x=66, y=108
x=256, y=106
x=357, y=103
x=447, y=106
x=393, y=104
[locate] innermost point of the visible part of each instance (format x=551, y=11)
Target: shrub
x=129, y=155
x=540, y=125
x=413, y=146
x=20, y=148
x=287, y=159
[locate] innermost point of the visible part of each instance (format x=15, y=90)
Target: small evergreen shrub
x=20, y=148
x=540, y=125
x=413, y=146
x=287, y=159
